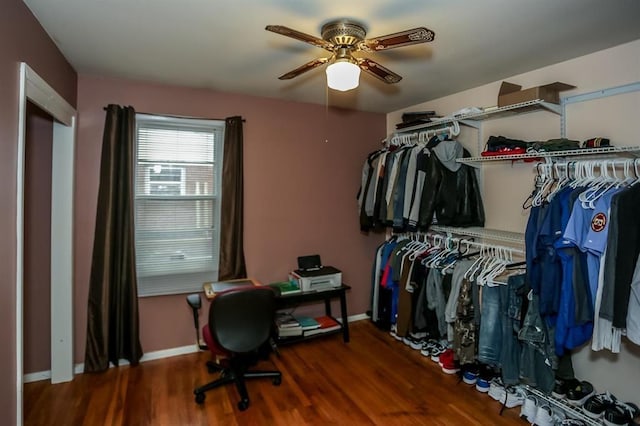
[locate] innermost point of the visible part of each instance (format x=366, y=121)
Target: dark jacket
x=453, y=196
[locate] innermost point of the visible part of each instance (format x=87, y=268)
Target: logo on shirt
x=598, y=222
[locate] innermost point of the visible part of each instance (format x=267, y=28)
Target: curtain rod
x=180, y=116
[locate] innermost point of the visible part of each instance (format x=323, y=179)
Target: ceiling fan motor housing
x=343, y=33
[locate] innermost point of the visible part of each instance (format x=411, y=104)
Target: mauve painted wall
x=37, y=241
x=302, y=172
x=21, y=39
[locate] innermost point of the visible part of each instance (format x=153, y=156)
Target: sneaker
x=622, y=413
x=413, y=342
x=470, y=373
x=544, y=416
x=496, y=389
x=513, y=396
x=482, y=385
x=529, y=408
x=561, y=386
x=427, y=347
x=394, y=332
x=484, y=378
x=436, y=351
x=448, y=362
x=558, y=415
x=596, y=405
x=578, y=394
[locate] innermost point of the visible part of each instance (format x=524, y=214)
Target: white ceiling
x=222, y=45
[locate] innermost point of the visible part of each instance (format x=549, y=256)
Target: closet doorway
x=37, y=91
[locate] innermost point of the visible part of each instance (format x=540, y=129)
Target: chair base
x=230, y=376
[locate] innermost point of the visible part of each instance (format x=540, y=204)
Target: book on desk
x=212, y=287
x=289, y=325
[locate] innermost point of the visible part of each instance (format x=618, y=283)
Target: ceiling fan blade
x=286, y=31
x=377, y=70
x=304, y=68
x=403, y=38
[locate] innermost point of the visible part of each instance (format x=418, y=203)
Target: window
x=177, y=203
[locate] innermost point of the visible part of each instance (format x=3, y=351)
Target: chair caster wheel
x=277, y=381
x=212, y=367
x=243, y=404
x=200, y=398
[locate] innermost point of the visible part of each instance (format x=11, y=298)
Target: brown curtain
x=232, y=263
x=112, y=317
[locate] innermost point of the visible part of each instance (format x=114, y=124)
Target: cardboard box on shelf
x=510, y=93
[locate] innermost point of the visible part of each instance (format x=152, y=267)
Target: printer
x=312, y=276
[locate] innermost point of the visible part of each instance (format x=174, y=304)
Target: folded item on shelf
x=551, y=145
x=596, y=143
x=504, y=151
x=500, y=143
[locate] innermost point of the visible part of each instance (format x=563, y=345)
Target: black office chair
x=240, y=323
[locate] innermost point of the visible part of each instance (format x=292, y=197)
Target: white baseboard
x=36, y=377
x=79, y=368
x=359, y=317
x=151, y=356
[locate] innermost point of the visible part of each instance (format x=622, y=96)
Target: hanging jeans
x=537, y=361
x=512, y=315
x=490, y=336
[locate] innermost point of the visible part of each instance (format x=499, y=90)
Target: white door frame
x=33, y=88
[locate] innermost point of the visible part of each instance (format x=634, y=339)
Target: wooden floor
x=373, y=380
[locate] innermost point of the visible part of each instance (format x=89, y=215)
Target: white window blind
x=177, y=203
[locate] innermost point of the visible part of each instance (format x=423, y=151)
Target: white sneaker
x=394, y=332
x=529, y=408
x=496, y=389
x=544, y=416
x=513, y=397
x=558, y=416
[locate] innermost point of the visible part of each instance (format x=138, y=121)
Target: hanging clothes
x=409, y=187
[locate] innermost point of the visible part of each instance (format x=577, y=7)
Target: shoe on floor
x=438, y=348
x=596, y=405
x=394, y=332
x=448, y=362
x=470, y=373
x=484, y=378
x=413, y=342
x=622, y=413
x=496, y=389
x=578, y=394
x=513, y=396
x=427, y=347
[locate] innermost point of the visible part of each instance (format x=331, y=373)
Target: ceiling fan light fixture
x=343, y=75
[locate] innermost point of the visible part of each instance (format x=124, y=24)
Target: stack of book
x=325, y=325
x=285, y=287
x=287, y=325
x=291, y=326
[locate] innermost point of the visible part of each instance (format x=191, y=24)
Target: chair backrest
x=241, y=320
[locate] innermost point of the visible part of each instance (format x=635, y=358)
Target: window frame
x=180, y=283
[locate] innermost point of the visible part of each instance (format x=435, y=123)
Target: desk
x=288, y=300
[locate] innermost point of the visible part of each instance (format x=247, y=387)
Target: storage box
x=512, y=94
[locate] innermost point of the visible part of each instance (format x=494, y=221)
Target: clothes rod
x=467, y=242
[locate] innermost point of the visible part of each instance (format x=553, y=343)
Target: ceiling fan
x=343, y=38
